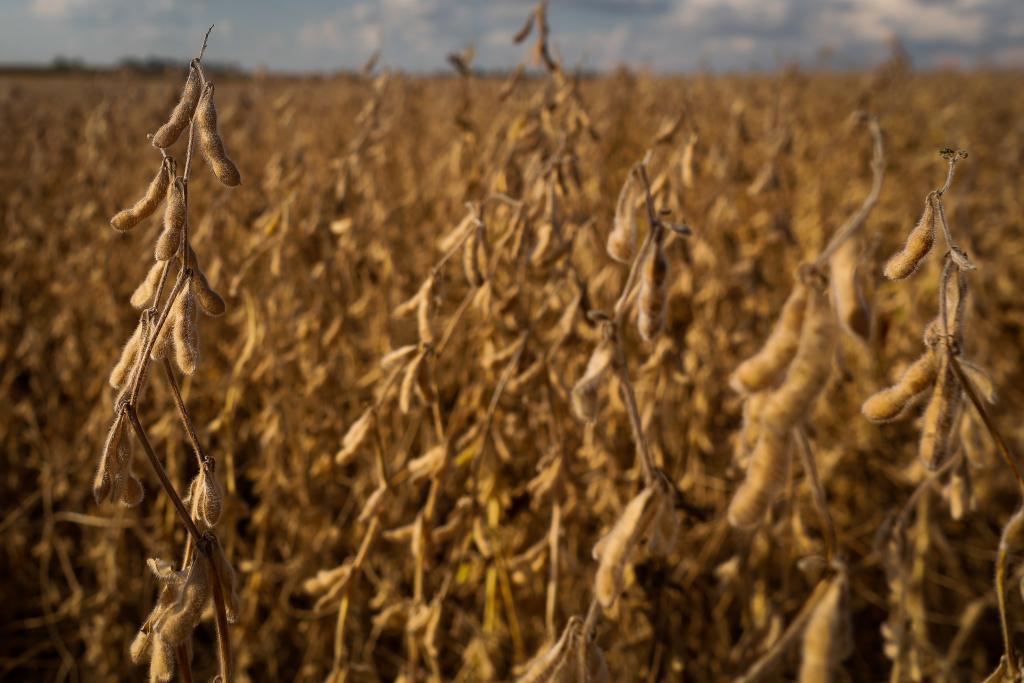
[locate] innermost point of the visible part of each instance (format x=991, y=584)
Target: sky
x=415, y=35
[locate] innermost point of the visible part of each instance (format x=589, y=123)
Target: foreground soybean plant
x=169, y=325
x=945, y=382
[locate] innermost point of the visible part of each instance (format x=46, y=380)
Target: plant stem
x=186, y=421
x=220, y=613
x=857, y=220
x=629, y=398
x=818, y=493
x=161, y=474
x=1011, y=533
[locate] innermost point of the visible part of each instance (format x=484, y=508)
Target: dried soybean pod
x=228, y=580
x=959, y=491
x=129, y=356
x=109, y=468
x=665, y=526
x=981, y=380
x=354, y=438
x=809, y=371
x=766, y=478
x=750, y=431
x=544, y=667
x=621, y=243
x=186, y=333
x=168, y=133
x=207, y=497
x=919, y=242
x=409, y=381
x=424, y=304
x=471, y=258
x=688, y=161
x=893, y=403
x=613, y=551
x=653, y=293
x=584, y=393
x=143, y=294
x=939, y=417
x=847, y=294
x=132, y=491
x=763, y=369
x=210, y=141
x=182, y=618
x=161, y=663
x=164, y=335
x=206, y=296
x=169, y=242
x=826, y=636
x=128, y=218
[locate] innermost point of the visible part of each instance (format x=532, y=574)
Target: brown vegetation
x=415, y=275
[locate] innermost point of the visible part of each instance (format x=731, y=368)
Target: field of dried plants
x=417, y=274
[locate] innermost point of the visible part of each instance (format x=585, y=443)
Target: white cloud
x=877, y=20
x=58, y=9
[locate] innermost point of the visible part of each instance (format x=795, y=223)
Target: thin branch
x=205, y=39
x=818, y=493
x=857, y=220
x=220, y=613
x=186, y=421
x=629, y=397
x=161, y=474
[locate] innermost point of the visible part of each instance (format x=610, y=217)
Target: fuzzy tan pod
x=181, y=618
x=765, y=480
x=623, y=237
x=614, y=550
x=207, y=498
x=665, y=525
x=584, y=393
x=894, y=402
x=142, y=297
x=186, y=331
x=556, y=662
x=809, y=371
x=169, y=242
x=688, y=162
x=653, y=297
x=210, y=142
x=164, y=336
x=128, y=218
x=132, y=491
x=851, y=306
x=827, y=637
x=407, y=389
x=168, y=133
x=228, y=581
x=750, y=431
x=919, y=242
x=354, y=438
x=764, y=369
x=980, y=379
x=161, y=661
x=210, y=302
x=130, y=354
x=959, y=490
x=940, y=415
x=473, y=257
x=110, y=468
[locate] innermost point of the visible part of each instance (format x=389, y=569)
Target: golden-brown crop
x=409, y=494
